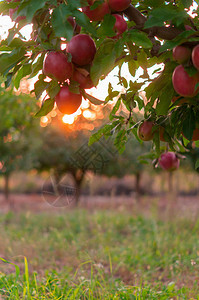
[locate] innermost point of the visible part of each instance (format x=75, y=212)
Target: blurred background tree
x=17, y=131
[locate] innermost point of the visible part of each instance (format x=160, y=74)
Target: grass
x=98, y=255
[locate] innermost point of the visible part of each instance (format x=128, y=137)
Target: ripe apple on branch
x=78, y=43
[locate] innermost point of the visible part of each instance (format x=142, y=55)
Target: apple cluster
x=167, y=161
x=56, y=65
x=183, y=83
x=81, y=50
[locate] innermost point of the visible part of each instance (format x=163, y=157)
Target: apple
x=67, y=102
x=187, y=27
x=98, y=13
x=56, y=64
x=82, y=48
x=75, y=26
x=145, y=131
x=181, y=54
x=184, y=84
x=120, y=25
x=119, y=5
x=83, y=79
x=195, y=57
x=169, y=161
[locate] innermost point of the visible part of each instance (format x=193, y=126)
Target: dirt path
x=183, y=206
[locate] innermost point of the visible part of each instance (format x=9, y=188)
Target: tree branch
x=162, y=32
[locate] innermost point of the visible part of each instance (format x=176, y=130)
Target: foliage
x=154, y=29
x=17, y=126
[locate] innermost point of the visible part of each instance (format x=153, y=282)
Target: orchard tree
x=17, y=127
x=129, y=162
x=74, y=44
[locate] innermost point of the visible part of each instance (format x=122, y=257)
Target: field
x=126, y=252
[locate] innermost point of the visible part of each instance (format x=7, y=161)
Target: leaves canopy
x=154, y=29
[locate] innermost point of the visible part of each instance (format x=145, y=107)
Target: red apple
x=82, y=48
x=119, y=5
x=98, y=13
x=56, y=64
x=181, y=54
x=187, y=27
x=145, y=131
x=67, y=102
x=84, y=80
x=120, y=25
x=169, y=161
x=75, y=26
x=195, y=57
x=184, y=84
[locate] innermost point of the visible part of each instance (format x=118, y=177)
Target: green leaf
x=60, y=24
x=142, y=59
x=40, y=87
x=162, y=14
x=29, y=8
x=139, y=38
x=106, y=130
x=38, y=65
x=164, y=102
x=132, y=66
x=92, y=99
x=187, y=3
x=9, y=60
x=189, y=124
x=46, y=107
x=24, y=71
x=120, y=141
x=115, y=108
x=53, y=89
x=181, y=38
x=84, y=21
x=197, y=164
x=17, y=270
x=156, y=140
x=106, y=28
x=104, y=61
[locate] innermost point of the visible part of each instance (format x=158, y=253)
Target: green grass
x=98, y=255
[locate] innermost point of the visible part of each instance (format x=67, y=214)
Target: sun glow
x=68, y=119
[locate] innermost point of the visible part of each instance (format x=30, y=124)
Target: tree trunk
x=77, y=192
x=78, y=178
x=171, y=198
x=7, y=191
x=170, y=182
x=55, y=182
x=137, y=184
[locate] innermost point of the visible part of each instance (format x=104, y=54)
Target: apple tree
x=17, y=127
x=75, y=44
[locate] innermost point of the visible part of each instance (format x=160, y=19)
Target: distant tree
x=57, y=154
x=16, y=129
x=128, y=162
